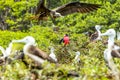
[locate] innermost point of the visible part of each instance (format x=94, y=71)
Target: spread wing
x=76, y=7
x=41, y=9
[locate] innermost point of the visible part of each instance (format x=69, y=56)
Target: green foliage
x=16, y=14
x=91, y=66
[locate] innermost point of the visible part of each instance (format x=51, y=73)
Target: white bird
x=32, y=51
x=52, y=55
x=6, y=52
x=96, y=36
x=77, y=57
x=98, y=27
x=115, y=50
x=111, y=52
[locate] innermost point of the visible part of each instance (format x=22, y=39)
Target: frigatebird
x=42, y=12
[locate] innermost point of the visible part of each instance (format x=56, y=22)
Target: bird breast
x=52, y=55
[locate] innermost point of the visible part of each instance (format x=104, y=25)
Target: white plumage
x=98, y=27
x=118, y=35
x=77, y=57
x=6, y=52
x=52, y=55
x=29, y=41
x=111, y=35
x=26, y=40
x=33, y=51
x=110, y=51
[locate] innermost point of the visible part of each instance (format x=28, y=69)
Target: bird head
x=109, y=33
x=97, y=27
x=26, y=40
x=52, y=49
x=77, y=53
x=55, y=14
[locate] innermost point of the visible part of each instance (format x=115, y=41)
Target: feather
x=76, y=7
x=69, y=8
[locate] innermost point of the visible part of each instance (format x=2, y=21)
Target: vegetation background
x=15, y=23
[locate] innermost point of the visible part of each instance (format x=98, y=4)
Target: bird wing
x=41, y=8
x=94, y=36
x=76, y=7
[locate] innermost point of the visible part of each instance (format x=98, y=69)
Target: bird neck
x=26, y=48
x=77, y=55
x=98, y=31
x=110, y=42
x=52, y=52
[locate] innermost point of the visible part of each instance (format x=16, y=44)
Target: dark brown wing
x=42, y=11
x=76, y=7
x=116, y=53
x=94, y=36
x=36, y=51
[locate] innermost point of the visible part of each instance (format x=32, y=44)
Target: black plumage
x=42, y=12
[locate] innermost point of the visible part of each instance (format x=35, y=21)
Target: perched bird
x=115, y=50
x=65, y=40
x=6, y=52
x=111, y=51
x=43, y=12
x=32, y=51
x=77, y=57
x=96, y=36
x=52, y=55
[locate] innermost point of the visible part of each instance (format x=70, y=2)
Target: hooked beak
x=19, y=41
x=104, y=34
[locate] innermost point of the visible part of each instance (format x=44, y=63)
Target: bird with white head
x=98, y=27
x=32, y=50
x=77, y=57
x=96, y=36
x=112, y=51
x=52, y=55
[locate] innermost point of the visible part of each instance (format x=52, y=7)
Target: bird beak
x=104, y=34
x=19, y=41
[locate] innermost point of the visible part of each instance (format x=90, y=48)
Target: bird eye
x=27, y=39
